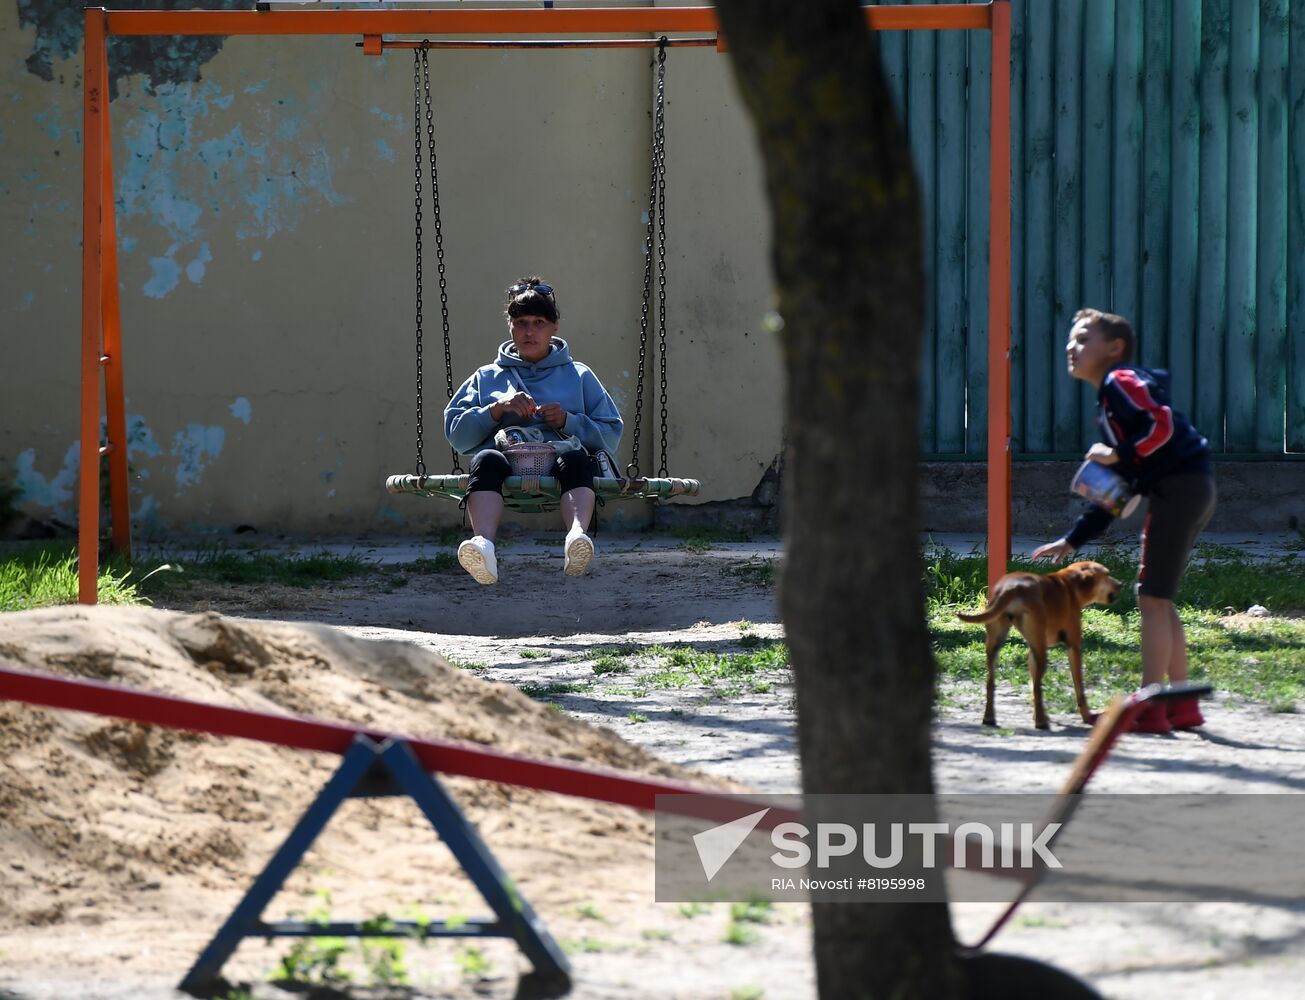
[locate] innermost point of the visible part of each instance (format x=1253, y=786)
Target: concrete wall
x=264, y=199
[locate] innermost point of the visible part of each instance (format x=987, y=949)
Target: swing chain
x=417, y=171
x=422, y=95
x=654, y=243
x=439, y=233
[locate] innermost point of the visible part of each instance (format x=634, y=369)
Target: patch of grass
x=690, y=910
x=589, y=946
x=471, y=962
x=542, y=691
x=757, y=911
x=252, y=568
x=1215, y=584
x=740, y=935
x=590, y=911
x=472, y=666
x=611, y=660
x=656, y=934
x=38, y=576
x=637, y=717
x=441, y=562
x=320, y=960
x=383, y=957
x=747, y=993
x=682, y=666
x=533, y=654
x=758, y=572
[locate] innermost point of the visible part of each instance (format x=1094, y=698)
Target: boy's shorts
x=1180, y=507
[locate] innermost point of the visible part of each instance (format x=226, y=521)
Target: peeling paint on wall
x=195, y=448
x=140, y=440
x=242, y=410
x=267, y=187
x=54, y=494
x=195, y=269
x=165, y=276
x=161, y=60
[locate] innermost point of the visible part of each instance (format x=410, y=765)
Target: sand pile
x=105, y=820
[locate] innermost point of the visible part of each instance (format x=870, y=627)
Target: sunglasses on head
x=524, y=287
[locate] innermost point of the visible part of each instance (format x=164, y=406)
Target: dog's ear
x=1080, y=575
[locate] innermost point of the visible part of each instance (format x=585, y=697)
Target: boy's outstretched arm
x=1055, y=551
x=1090, y=524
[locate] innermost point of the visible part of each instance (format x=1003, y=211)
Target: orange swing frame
x=101, y=359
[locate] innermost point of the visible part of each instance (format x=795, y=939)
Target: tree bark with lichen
x=847, y=258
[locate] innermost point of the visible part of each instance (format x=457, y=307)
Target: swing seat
x=536, y=494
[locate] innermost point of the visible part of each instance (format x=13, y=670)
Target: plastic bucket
x=1105, y=488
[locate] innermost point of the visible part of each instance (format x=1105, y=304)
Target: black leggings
x=490, y=469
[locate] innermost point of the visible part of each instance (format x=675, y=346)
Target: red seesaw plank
x=302, y=733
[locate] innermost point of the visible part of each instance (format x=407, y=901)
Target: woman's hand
x=519, y=403
x=1055, y=551
x=1102, y=453
x=553, y=414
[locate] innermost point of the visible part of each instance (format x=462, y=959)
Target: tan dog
x=1047, y=610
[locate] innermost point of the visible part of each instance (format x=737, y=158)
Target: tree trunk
x=847, y=246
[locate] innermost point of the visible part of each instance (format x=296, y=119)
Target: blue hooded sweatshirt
x=591, y=416
x=1151, y=438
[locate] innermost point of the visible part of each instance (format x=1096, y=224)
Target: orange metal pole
x=94, y=99
x=999, y=471
x=597, y=20
x=115, y=404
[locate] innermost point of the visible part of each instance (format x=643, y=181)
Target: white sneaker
x=476, y=556
x=579, y=553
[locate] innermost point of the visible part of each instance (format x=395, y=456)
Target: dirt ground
x=124, y=848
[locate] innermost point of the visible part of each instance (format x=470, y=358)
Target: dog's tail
x=992, y=611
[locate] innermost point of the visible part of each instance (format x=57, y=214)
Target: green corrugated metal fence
x=1158, y=160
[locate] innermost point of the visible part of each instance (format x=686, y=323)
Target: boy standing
x=1163, y=457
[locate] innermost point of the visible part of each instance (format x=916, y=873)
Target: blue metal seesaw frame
x=371, y=769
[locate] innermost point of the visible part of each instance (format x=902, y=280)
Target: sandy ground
x=125, y=848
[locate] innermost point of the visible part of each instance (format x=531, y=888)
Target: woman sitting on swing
x=534, y=385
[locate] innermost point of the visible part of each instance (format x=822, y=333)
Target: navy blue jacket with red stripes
x=1151, y=438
